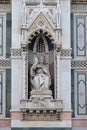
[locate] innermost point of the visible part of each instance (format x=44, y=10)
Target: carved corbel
x=23, y=47
x=58, y=47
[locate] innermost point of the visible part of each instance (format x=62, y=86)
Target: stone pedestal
x=41, y=94
x=41, y=105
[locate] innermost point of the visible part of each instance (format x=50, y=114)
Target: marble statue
x=39, y=75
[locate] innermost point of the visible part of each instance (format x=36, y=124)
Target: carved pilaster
x=25, y=71
x=58, y=14
x=24, y=14
x=57, y=71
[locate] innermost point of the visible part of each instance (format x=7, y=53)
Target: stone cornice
x=5, y=8
x=79, y=1
x=80, y=8
x=79, y=64
x=4, y=1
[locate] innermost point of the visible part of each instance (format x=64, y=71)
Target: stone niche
x=41, y=105
x=42, y=102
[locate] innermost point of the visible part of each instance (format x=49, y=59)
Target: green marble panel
x=8, y=35
x=8, y=92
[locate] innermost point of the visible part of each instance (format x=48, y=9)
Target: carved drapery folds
x=39, y=75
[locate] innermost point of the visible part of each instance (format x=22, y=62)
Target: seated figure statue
x=40, y=76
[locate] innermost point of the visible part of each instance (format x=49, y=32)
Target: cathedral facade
x=43, y=65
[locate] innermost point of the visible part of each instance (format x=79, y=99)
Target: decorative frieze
x=79, y=8
x=41, y=115
x=15, y=53
x=5, y=7
x=79, y=1
x=65, y=53
x=5, y=63
x=79, y=64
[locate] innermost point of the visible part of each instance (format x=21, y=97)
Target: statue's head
x=41, y=59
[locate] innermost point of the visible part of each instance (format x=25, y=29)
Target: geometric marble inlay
x=5, y=63
x=78, y=64
x=15, y=52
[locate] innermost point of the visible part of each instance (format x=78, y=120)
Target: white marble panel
x=16, y=83
x=65, y=12
x=66, y=84
x=16, y=23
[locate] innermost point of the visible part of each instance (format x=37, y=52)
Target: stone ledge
x=79, y=1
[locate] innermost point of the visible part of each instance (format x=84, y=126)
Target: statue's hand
x=35, y=64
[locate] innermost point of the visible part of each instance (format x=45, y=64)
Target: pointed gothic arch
x=37, y=31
